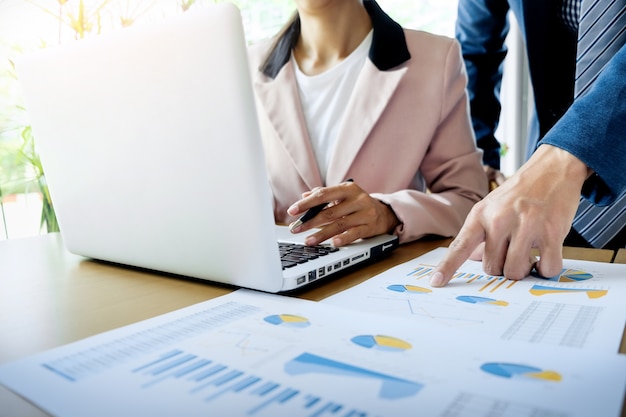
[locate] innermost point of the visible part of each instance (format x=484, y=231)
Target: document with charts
x=583, y=307
x=257, y=354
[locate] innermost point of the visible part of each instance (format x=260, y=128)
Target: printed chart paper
x=582, y=308
x=257, y=354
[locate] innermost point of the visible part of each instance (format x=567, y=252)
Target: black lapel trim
x=389, y=48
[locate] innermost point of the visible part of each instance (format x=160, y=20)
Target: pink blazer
x=410, y=120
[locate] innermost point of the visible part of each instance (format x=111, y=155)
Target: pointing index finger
x=470, y=236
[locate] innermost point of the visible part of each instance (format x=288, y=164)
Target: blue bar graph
x=281, y=397
x=209, y=372
x=212, y=382
x=265, y=389
x=93, y=361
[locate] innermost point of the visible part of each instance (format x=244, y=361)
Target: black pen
x=310, y=213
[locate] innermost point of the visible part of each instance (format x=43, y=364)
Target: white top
x=324, y=98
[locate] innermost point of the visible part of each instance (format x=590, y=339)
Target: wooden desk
x=49, y=297
x=620, y=257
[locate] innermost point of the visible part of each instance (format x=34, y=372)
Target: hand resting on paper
x=532, y=209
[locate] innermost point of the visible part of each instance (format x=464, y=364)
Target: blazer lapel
x=279, y=98
x=372, y=92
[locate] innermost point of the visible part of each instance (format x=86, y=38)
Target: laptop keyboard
x=292, y=254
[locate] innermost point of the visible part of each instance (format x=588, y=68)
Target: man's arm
x=594, y=130
x=481, y=29
x=536, y=206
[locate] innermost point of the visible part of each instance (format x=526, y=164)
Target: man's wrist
x=561, y=159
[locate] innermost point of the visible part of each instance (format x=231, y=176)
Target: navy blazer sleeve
x=594, y=130
x=481, y=29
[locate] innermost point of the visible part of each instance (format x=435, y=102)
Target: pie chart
x=379, y=342
x=567, y=275
x=472, y=299
x=517, y=371
x=572, y=275
x=288, y=320
x=414, y=289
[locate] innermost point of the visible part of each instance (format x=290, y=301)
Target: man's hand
x=534, y=208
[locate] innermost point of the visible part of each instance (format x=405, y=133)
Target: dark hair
x=280, y=52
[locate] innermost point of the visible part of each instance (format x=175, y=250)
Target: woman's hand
x=495, y=177
x=350, y=214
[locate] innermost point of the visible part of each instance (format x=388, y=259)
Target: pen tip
x=295, y=224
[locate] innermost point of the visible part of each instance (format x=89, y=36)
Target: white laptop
x=150, y=143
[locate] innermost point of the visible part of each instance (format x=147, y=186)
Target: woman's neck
x=329, y=34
